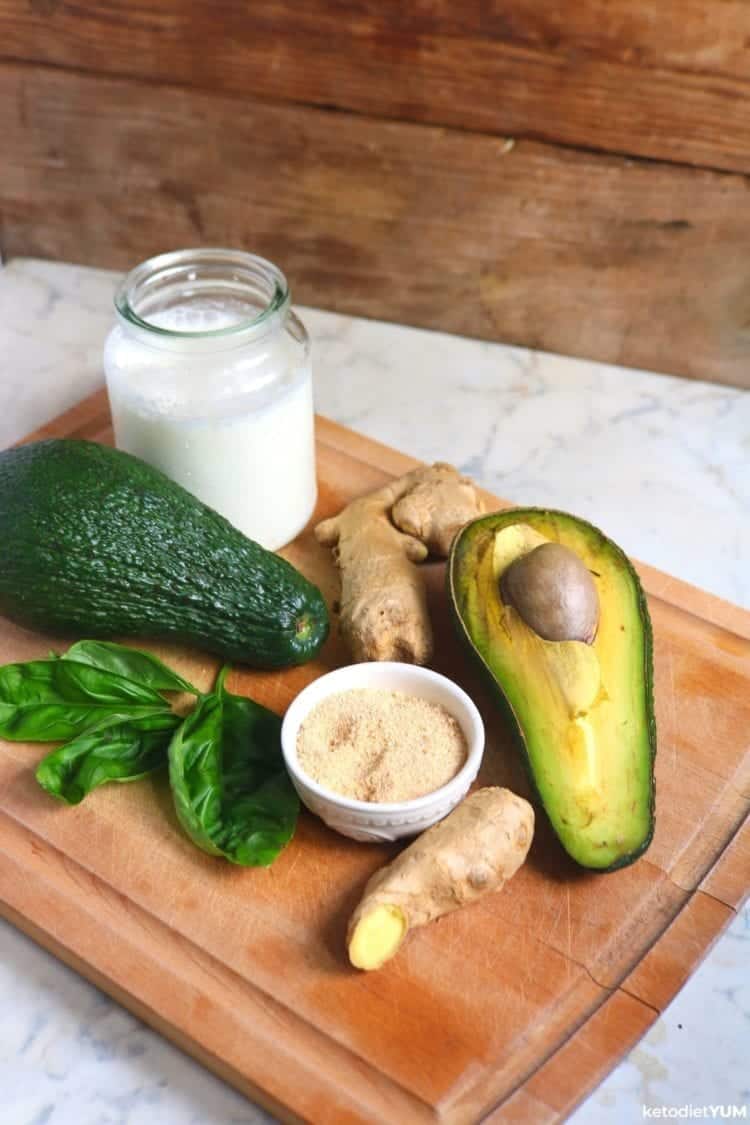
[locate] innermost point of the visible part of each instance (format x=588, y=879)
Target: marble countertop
x=662, y=463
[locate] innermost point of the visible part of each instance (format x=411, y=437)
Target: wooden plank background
x=571, y=177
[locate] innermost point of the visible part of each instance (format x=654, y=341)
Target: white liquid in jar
x=232, y=424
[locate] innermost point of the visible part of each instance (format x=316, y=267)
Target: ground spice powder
x=376, y=745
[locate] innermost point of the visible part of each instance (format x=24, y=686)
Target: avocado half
x=583, y=713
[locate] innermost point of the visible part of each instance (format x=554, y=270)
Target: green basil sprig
x=104, y=701
x=231, y=791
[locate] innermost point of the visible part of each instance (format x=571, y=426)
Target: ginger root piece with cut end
x=475, y=850
x=377, y=539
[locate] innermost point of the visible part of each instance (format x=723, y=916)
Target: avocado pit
x=553, y=592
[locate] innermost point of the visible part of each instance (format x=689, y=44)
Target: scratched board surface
x=513, y=1008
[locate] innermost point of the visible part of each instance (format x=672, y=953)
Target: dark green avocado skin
x=95, y=543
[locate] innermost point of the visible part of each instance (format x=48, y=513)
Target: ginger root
x=475, y=850
x=377, y=539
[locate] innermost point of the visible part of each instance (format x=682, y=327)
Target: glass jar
x=209, y=379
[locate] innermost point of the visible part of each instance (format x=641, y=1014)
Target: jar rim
x=167, y=268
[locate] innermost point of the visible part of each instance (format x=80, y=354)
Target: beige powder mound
x=376, y=745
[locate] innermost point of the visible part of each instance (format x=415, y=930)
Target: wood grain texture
x=597, y=75
x=644, y=265
x=567, y=969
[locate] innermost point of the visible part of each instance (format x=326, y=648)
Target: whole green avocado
x=95, y=542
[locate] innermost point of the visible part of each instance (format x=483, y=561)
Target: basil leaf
x=55, y=722
x=195, y=772
x=45, y=700
x=231, y=791
x=99, y=685
x=142, y=667
x=121, y=752
x=51, y=681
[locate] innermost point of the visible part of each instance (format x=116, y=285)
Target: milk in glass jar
x=209, y=379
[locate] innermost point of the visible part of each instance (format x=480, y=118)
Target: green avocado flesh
x=98, y=543
x=583, y=713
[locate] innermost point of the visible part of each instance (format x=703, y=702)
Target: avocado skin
x=96, y=542
x=490, y=524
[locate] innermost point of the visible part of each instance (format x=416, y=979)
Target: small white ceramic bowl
x=376, y=821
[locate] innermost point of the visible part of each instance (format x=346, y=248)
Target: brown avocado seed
x=554, y=593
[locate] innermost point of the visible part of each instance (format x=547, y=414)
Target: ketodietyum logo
x=695, y=1112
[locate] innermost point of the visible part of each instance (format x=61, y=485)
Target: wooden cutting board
x=511, y=1009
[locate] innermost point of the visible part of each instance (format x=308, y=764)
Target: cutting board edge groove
x=108, y=982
